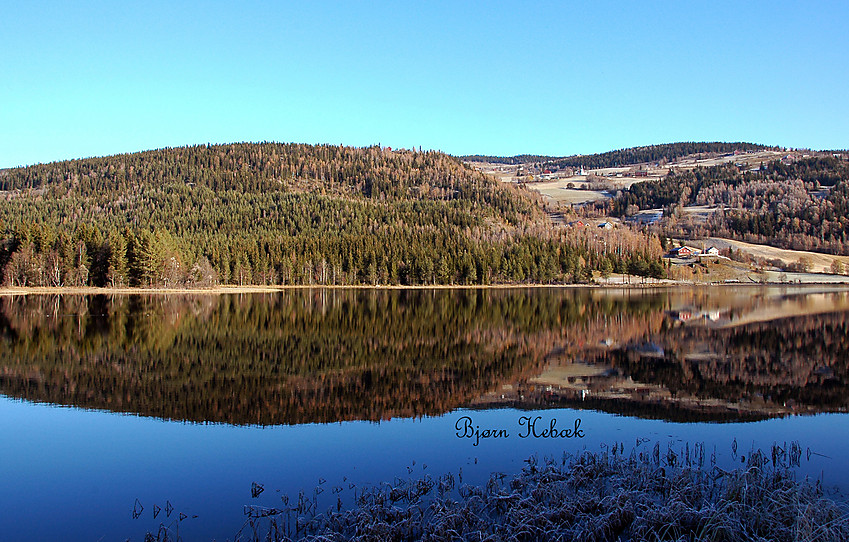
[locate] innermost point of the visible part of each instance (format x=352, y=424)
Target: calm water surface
x=119, y=403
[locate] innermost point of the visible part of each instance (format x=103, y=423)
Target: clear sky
x=90, y=78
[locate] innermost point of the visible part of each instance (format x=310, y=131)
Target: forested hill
x=624, y=157
x=271, y=213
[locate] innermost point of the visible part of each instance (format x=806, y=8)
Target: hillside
x=271, y=213
x=624, y=157
x=800, y=203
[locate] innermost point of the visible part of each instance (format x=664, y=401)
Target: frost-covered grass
x=655, y=495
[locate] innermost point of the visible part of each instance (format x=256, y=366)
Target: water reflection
x=331, y=355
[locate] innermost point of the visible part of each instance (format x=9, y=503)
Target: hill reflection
x=730, y=355
x=309, y=356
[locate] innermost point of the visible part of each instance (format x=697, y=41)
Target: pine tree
x=117, y=273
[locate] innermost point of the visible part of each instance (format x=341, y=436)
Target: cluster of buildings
x=587, y=224
x=685, y=251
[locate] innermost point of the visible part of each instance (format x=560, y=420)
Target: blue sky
x=93, y=78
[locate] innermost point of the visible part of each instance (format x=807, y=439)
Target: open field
x=559, y=190
x=819, y=262
x=504, y=172
x=701, y=213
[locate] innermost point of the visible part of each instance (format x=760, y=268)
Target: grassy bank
x=654, y=495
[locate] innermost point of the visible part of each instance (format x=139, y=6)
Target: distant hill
x=625, y=157
x=274, y=213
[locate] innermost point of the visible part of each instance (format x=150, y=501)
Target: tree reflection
x=307, y=356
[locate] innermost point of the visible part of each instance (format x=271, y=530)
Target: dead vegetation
x=653, y=495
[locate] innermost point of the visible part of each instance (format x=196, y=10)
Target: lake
x=125, y=414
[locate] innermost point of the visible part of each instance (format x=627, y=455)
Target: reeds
x=653, y=495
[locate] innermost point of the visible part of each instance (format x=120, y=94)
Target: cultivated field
x=503, y=172
x=559, y=192
x=582, y=190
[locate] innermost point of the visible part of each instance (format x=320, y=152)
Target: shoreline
x=254, y=289
x=259, y=289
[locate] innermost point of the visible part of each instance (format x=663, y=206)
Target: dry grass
x=559, y=191
x=818, y=261
x=655, y=495
x=569, y=196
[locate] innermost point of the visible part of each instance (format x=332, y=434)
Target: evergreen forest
x=274, y=213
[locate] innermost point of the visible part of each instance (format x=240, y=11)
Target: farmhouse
x=684, y=252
